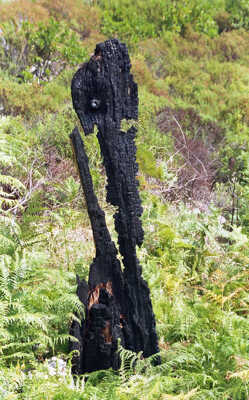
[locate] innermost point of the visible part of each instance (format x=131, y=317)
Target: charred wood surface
x=118, y=303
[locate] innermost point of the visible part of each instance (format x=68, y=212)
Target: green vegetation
x=190, y=59
x=133, y=21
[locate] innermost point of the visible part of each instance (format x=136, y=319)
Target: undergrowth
x=190, y=60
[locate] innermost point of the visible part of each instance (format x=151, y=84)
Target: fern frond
x=128, y=360
x=18, y=355
x=243, y=375
x=28, y=319
x=64, y=338
x=15, y=184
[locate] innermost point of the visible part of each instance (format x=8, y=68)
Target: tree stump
x=117, y=301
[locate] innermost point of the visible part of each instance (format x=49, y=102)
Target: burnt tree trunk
x=118, y=304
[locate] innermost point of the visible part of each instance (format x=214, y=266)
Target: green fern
x=35, y=314
x=11, y=188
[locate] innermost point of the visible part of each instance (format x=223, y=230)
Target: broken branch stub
x=118, y=303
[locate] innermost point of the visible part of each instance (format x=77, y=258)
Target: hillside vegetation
x=191, y=62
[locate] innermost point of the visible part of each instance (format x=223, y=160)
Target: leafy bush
x=195, y=254
x=80, y=15
x=32, y=100
x=239, y=11
x=42, y=50
x=144, y=19
x=150, y=19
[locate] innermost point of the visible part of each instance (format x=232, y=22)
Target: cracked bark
x=118, y=302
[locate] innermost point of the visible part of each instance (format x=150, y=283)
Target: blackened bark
x=77, y=330
x=118, y=305
x=101, y=328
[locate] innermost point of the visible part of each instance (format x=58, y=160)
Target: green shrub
x=239, y=11
x=194, y=255
x=81, y=16
x=32, y=100
x=148, y=19
x=41, y=50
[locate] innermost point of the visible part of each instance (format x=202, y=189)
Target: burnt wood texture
x=117, y=301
